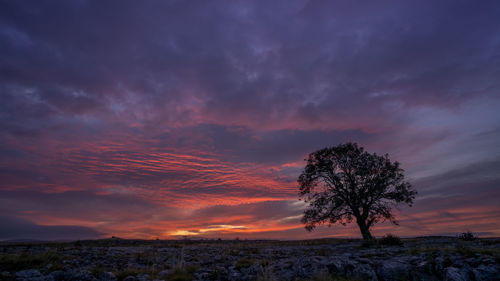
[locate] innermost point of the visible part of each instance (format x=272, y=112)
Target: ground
x=427, y=258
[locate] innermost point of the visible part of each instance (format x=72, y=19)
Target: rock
x=107, y=276
x=218, y=258
x=287, y=263
x=486, y=273
x=455, y=274
x=164, y=273
x=81, y=275
x=423, y=270
x=365, y=261
x=29, y=273
x=393, y=271
x=143, y=277
x=364, y=272
x=58, y=275
x=351, y=268
x=337, y=267
x=32, y=275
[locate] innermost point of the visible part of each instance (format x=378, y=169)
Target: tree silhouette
x=344, y=183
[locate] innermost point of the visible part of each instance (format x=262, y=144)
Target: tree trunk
x=364, y=229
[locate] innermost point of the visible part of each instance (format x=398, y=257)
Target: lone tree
x=344, y=182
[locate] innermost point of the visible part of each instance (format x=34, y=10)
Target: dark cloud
x=21, y=229
x=280, y=65
x=82, y=205
x=243, y=144
x=268, y=210
x=482, y=177
x=160, y=104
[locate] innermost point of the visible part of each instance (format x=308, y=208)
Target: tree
x=344, y=183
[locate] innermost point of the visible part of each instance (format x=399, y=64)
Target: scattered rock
x=455, y=274
x=29, y=273
x=486, y=273
x=393, y=271
x=425, y=259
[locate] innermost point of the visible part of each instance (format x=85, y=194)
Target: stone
x=455, y=274
x=107, y=276
x=364, y=272
x=416, y=261
x=29, y=273
x=393, y=271
x=164, y=273
x=486, y=273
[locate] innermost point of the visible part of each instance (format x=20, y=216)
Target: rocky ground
x=437, y=258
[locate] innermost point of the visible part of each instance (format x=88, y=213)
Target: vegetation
x=182, y=262
x=97, y=271
x=11, y=262
x=459, y=249
x=122, y=274
x=390, y=240
x=243, y=263
x=267, y=273
x=327, y=277
x=344, y=183
x=467, y=236
x=181, y=274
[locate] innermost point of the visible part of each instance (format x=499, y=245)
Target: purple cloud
x=163, y=104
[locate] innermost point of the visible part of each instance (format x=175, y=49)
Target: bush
x=390, y=240
x=467, y=236
x=180, y=275
x=447, y=262
x=243, y=263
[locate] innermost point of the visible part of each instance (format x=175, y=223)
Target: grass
x=326, y=277
x=322, y=252
x=267, y=273
x=489, y=241
x=243, y=263
x=244, y=251
x=251, y=245
x=182, y=274
x=12, y=262
x=97, y=271
x=122, y=274
x=147, y=257
x=458, y=249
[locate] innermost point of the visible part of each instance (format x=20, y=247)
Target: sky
x=165, y=119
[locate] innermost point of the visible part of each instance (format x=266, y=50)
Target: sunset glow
x=167, y=119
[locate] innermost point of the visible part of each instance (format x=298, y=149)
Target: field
x=427, y=258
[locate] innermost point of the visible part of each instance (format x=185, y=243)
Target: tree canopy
x=344, y=183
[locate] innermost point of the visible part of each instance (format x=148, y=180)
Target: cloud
x=481, y=176
x=241, y=144
x=267, y=210
x=102, y=212
x=157, y=112
x=170, y=69
x=21, y=229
